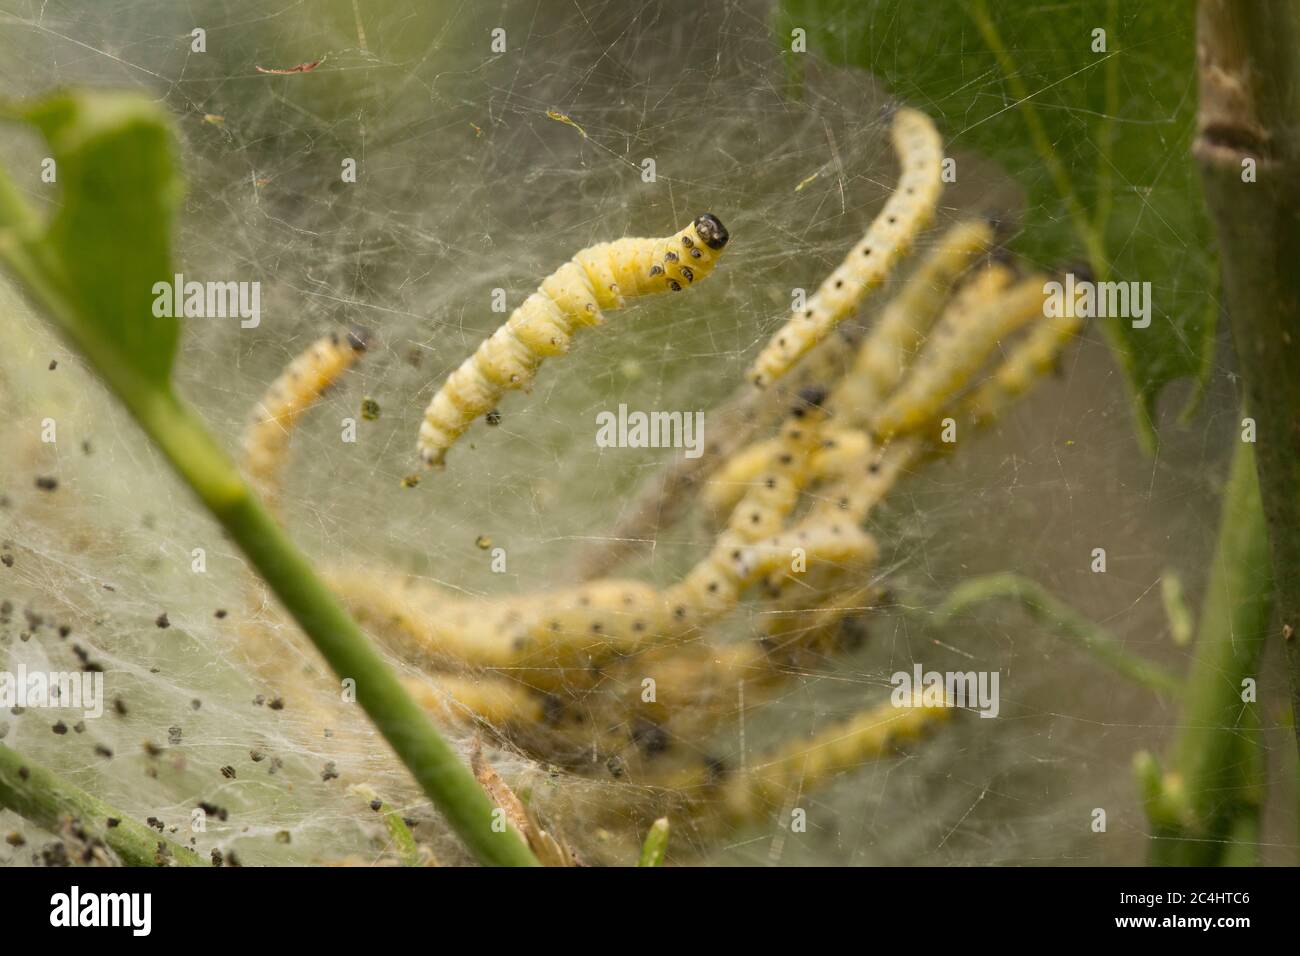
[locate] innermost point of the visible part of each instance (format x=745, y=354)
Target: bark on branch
x=1246, y=149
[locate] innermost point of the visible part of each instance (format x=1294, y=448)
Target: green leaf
x=1099, y=140
x=109, y=240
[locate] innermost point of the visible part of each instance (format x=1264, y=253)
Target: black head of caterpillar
x=711, y=231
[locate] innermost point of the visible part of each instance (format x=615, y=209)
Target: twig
x=48, y=801
x=1063, y=620
x=1249, y=75
x=1211, y=790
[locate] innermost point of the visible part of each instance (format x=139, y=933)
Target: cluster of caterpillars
x=561, y=675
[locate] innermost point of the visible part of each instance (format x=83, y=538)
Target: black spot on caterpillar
x=600, y=277
x=266, y=439
x=909, y=209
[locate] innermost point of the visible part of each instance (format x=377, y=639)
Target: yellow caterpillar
x=886, y=352
x=860, y=489
x=908, y=211
x=717, y=580
x=878, y=364
x=554, y=641
x=804, y=766
x=266, y=439
x=806, y=624
x=730, y=482
x=496, y=701
x=1028, y=361
x=961, y=343
x=544, y=641
x=603, y=276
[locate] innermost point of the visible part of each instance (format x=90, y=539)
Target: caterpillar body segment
x=851, y=498
x=839, y=446
x=540, y=640
x=425, y=625
x=1028, y=361
x=603, y=276
x=770, y=499
x=836, y=543
x=664, y=498
x=817, y=622
x=734, y=477
x=714, y=585
x=962, y=341
x=456, y=699
x=909, y=210
x=266, y=438
x=894, y=338
x=803, y=766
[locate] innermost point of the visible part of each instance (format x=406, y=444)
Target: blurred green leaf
x=109, y=240
x=1099, y=140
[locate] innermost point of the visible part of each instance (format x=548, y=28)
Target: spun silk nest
x=766, y=695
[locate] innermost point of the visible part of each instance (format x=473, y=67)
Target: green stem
x=1249, y=111
x=47, y=800
x=214, y=478
x=406, y=727
x=1064, y=621
x=1214, y=759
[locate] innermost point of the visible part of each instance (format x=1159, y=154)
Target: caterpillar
x=455, y=699
x=887, y=350
x=807, y=624
x=806, y=765
x=962, y=341
x=1029, y=360
x=838, y=447
x=851, y=498
x=539, y=639
x=266, y=438
x=716, y=582
x=603, y=276
x=662, y=499
x=907, y=212
x=877, y=365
